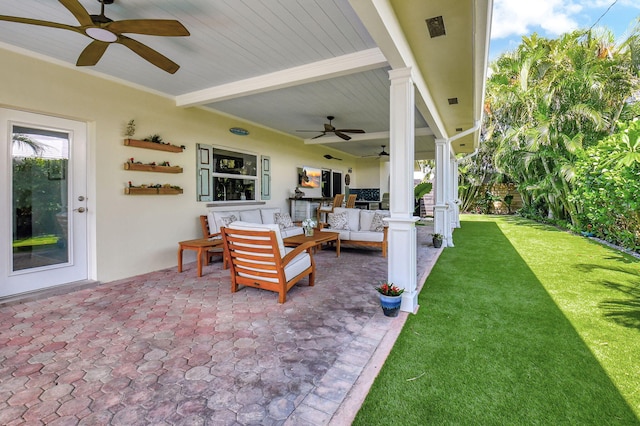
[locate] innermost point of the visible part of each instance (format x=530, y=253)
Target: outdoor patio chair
x=384, y=203
x=351, y=201
x=215, y=251
x=258, y=258
x=337, y=202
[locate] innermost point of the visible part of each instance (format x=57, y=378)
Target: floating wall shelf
x=152, y=191
x=151, y=168
x=153, y=145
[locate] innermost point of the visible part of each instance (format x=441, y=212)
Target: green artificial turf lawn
x=519, y=323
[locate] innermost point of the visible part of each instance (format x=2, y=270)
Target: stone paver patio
x=173, y=349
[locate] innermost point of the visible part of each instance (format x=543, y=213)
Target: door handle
x=80, y=210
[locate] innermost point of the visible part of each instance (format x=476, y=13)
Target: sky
x=549, y=18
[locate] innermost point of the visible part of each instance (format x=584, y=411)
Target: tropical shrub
x=550, y=99
x=607, y=186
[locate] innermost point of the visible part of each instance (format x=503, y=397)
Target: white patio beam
x=339, y=66
x=381, y=22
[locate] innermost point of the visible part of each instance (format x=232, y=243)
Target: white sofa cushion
x=366, y=217
x=215, y=219
x=268, y=215
x=253, y=216
x=344, y=233
x=353, y=215
x=290, y=232
x=367, y=236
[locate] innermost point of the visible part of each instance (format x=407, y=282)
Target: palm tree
x=550, y=98
x=26, y=141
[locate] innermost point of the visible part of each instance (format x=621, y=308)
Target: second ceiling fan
x=381, y=154
x=329, y=128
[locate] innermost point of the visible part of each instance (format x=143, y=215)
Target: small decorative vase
x=308, y=232
x=437, y=242
x=390, y=305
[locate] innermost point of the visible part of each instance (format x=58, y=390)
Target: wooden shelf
x=153, y=145
x=152, y=191
x=151, y=168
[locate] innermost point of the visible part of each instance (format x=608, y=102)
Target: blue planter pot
x=390, y=305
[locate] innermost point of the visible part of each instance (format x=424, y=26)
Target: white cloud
x=518, y=17
x=548, y=17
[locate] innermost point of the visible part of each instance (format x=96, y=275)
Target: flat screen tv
x=309, y=177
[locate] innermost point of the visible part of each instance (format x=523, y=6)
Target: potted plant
x=309, y=224
x=437, y=240
x=390, y=298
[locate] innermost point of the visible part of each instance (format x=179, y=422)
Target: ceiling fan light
x=101, y=34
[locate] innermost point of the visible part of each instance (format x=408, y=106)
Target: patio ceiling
x=288, y=64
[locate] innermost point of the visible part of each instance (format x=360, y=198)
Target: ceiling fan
x=105, y=31
x=331, y=157
x=381, y=154
x=328, y=128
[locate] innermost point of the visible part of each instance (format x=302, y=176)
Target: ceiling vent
x=453, y=101
x=436, y=26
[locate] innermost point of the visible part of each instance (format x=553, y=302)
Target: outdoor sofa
x=359, y=227
x=265, y=216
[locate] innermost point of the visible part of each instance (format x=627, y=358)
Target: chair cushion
x=252, y=216
x=295, y=267
x=261, y=227
x=268, y=215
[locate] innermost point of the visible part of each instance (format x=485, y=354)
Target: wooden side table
x=201, y=246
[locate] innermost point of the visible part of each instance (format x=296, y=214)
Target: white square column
x=402, y=230
x=441, y=211
x=454, y=204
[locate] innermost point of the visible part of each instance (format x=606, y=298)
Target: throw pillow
x=339, y=220
x=228, y=219
x=377, y=224
x=283, y=220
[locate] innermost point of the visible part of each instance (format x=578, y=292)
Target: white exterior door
x=43, y=214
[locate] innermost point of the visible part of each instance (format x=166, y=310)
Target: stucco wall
x=132, y=235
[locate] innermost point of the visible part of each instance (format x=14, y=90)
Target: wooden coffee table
x=318, y=238
x=202, y=246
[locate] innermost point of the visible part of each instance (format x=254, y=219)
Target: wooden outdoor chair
x=215, y=251
x=337, y=202
x=351, y=201
x=258, y=258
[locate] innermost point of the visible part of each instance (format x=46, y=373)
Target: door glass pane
x=40, y=197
